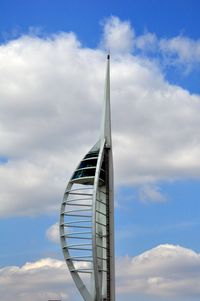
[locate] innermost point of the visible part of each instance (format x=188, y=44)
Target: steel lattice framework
x=87, y=219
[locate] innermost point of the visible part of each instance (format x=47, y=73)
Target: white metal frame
x=87, y=216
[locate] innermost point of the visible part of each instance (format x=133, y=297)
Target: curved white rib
x=86, y=217
x=66, y=247
x=99, y=228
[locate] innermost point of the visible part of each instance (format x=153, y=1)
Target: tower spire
x=106, y=119
x=87, y=212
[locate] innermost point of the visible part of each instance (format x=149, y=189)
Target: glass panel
x=102, y=175
x=88, y=163
x=84, y=173
x=92, y=154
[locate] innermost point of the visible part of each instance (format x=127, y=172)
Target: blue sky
x=52, y=58
x=165, y=18
x=175, y=221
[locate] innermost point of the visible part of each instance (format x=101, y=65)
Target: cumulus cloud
x=42, y=280
x=53, y=233
x=51, y=91
x=167, y=271
x=118, y=36
x=37, y=126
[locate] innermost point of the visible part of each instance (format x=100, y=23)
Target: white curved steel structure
x=87, y=216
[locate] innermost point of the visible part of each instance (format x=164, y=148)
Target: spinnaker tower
x=87, y=216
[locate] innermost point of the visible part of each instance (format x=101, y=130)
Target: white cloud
x=147, y=41
x=167, y=271
x=51, y=91
x=183, y=49
x=178, y=51
x=42, y=280
x=118, y=36
x=151, y=193
x=53, y=233
x=38, y=98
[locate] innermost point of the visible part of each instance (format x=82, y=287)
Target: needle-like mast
x=106, y=119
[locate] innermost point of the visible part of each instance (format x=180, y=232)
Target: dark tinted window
x=102, y=174
x=88, y=163
x=84, y=173
x=92, y=154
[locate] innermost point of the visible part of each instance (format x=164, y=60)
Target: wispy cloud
x=151, y=193
x=179, y=51
x=121, y=38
